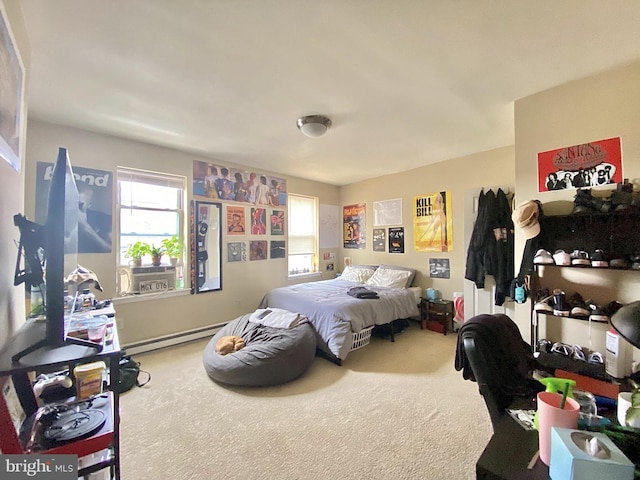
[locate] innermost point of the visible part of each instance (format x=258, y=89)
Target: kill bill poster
x=586, y=165
x=354, y=226
x=432, y=223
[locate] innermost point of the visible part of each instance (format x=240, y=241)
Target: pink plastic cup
x=550, y=415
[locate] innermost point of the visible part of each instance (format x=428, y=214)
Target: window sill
x=298, y=276
x=150, y=296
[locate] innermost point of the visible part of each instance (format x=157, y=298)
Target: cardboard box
x=570, y=460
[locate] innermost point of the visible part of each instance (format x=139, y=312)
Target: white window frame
x=151, y=178
x=302, y=242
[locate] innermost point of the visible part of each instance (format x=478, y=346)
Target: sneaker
x=612, y=308
x=543, y=257
x=597, y=313
x=596, y=358
x=578, y=306
x=580, y=257
x=544, y=305
x=560, y=306
x=562, y=258
x=599, y=259
x=578, y=354
x=562, y=349
x=621, y=263
x=544, y=345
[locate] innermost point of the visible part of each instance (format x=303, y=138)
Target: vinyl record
x=74, y=426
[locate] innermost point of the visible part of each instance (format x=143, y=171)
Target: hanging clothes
x=491, y=250
x=476, y=268
x=503, y=246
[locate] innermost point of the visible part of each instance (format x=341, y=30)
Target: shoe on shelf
x=580, y=258
x=596, y=358
x=544, y=304
x=560, y=257
x=578, y=306
x=612, y=308
x=599, y=259
x=542, y=257
x=578, y=354
x=560, y=305
x=544, y=345
x=620, y=262
x=597, y=313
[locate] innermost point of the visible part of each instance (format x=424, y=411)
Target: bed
x=343, y=323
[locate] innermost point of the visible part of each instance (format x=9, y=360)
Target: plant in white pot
x=173, y=248
x=632, y=417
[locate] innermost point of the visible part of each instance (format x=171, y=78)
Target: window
x=151, y=208
x=303, y=234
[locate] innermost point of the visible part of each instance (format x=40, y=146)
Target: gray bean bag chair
x=271, y=356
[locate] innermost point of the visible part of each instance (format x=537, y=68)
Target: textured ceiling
x=406, y=83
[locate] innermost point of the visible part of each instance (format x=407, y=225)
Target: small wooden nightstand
x=437, y=315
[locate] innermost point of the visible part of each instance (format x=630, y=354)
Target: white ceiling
x=406, y=83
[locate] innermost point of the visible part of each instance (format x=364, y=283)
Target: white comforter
x=335, y=314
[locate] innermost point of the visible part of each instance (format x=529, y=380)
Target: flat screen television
x=59, y=241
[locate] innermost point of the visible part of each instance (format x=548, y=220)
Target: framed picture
x=12, y=96
x=439, y=268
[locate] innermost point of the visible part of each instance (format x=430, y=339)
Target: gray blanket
x=335, y=314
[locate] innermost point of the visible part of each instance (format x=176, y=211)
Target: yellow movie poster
x=432, y=223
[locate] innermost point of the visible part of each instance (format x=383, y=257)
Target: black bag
x=128, y=373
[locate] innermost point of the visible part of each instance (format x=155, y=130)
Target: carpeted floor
x=392, y=411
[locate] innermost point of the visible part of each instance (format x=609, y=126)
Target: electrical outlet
x=120, y=324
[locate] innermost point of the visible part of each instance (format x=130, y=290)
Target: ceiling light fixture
x=314, y=125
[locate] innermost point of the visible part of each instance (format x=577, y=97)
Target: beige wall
x=595, y=108
x=12, y=310
x=457, y=176
x=244, y=283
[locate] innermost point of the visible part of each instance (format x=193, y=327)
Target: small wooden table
x=437, y=315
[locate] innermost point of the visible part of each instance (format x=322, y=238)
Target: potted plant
x=633, y=413
x=135, y=251
x=156, y=254
x=173, y=248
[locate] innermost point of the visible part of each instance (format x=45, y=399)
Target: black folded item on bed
x=362, y=292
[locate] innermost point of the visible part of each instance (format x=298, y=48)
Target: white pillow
x=385, y=277
x=360, y=275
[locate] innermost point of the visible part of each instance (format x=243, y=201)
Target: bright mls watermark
x=39, y=467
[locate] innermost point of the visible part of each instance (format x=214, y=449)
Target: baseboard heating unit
x=171, y=340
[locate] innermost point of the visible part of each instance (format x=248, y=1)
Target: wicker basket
x=361, y=339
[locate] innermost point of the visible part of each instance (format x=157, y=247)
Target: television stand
x=31, y=341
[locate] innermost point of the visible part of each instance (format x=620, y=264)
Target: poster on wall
x=235, y=220
x=277, y=249
x=258, y=221
x=95, y=204
x=387, y=212
x=586, y=165
x=354, y=226
x=219, y=182
x=258, y=250
x=379, y=239
x=237, y=252
x=276, y=219
x=433, y=223
x=329, y=223
x=396, y=240
x=439, y=268
x=12, y=98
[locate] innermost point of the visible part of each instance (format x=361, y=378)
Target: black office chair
x=492, y=353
